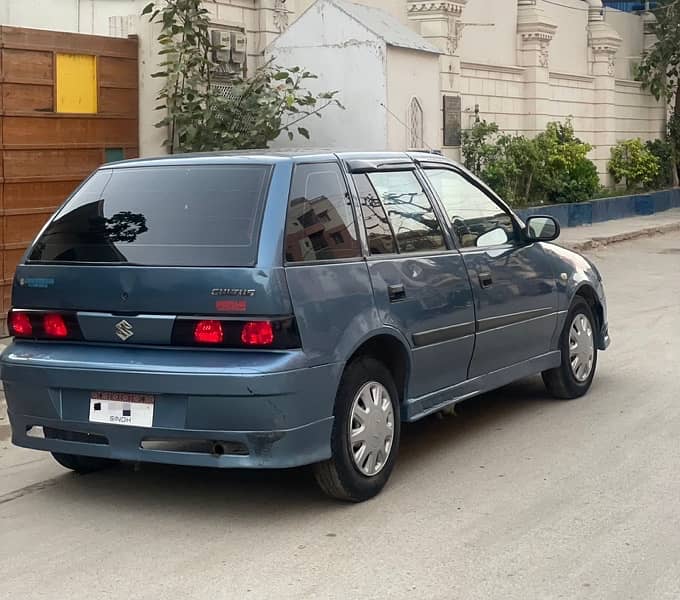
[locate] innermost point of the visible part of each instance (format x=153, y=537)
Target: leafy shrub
x=663, y=151
x=633, y=163
x=565, y=173
x=477, y=149
x=552, y=167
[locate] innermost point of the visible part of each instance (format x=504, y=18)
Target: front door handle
x=485, y=280
x=396, y=292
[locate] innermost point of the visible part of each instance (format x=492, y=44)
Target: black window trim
x=350, y=196
x=488, y=192
x=382, y=205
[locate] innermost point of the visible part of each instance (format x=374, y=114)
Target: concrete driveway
x=520, y=496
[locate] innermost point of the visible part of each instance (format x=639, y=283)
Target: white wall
x=78, y=16
x=412, y=73
x=348, y=58
x=397, y=8
x=494, y=44
x=569, y=47
x=499, y=92
x=630, y=27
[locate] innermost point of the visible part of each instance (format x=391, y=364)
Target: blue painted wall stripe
x=607, y=209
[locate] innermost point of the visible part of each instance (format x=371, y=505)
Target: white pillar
x=535, y=31
x=441, y=24
x=604, y=44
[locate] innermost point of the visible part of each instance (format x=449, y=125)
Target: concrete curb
x=600, y=242
x=4, y=419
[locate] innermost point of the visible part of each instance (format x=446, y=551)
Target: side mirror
x=541, y=229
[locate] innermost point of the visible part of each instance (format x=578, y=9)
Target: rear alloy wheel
x=365, y=434
x=76, y=462
x=578, y=346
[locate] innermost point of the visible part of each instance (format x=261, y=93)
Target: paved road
x=518, y=497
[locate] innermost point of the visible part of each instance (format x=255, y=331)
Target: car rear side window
x=378, y=231
x=320, y=223
x=409, y=210
x=161, y=215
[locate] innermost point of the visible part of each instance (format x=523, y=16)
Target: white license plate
x=116, y=408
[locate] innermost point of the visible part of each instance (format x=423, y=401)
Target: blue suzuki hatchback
x=269, y=311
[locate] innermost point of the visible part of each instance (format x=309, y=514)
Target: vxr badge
x=124, y=330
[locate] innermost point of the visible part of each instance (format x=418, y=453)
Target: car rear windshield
x=160, y=215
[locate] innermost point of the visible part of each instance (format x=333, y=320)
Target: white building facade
x=519, y=63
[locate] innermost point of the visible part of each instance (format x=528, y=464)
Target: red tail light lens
x=20, y=324
x=257, y=333
x=275, y=334
x=55, y=326
x=208, y=332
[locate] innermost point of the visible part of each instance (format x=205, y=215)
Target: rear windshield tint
x=179, y=215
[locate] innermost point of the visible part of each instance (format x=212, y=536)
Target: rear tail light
x=55, y=326
x=272, y=334
x=20, y=324
x=208, y=332
x=257, y=333
x=44, y=325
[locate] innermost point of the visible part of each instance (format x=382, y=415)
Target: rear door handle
x=396, y=292
x=485, y=280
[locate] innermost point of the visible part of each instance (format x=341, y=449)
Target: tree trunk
x=675, y=137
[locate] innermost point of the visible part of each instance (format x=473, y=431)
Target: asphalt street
x=518, y=497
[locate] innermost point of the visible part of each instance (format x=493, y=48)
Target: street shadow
x=264, y=495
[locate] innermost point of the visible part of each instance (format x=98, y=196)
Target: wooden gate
x=68, y=103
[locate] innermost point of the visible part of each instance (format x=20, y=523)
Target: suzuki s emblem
x=124, y=330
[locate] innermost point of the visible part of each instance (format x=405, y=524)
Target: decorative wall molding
x=536, y=31
x=571, y=77
x=629, y=83
x=494, y=68
x=442, y=7
x=280, y=15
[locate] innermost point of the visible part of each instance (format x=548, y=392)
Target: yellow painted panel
x=76, y=83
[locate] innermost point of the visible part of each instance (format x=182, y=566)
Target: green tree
x=659, y=70
x=197, y=116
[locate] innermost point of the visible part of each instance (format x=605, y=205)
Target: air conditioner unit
x=221, y=39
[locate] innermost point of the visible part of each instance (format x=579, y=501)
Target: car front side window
x=409, y=211
x=476, y=219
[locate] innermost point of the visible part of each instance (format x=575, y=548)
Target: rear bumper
x=272, y=419
x=275, y=449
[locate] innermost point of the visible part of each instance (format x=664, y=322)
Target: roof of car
x=269, y=157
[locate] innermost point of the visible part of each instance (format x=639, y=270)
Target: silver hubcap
x=581, y=347
x=371, y=428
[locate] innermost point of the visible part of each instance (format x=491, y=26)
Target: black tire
x=561, y=381
x=75, y=462
x=339, y=477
